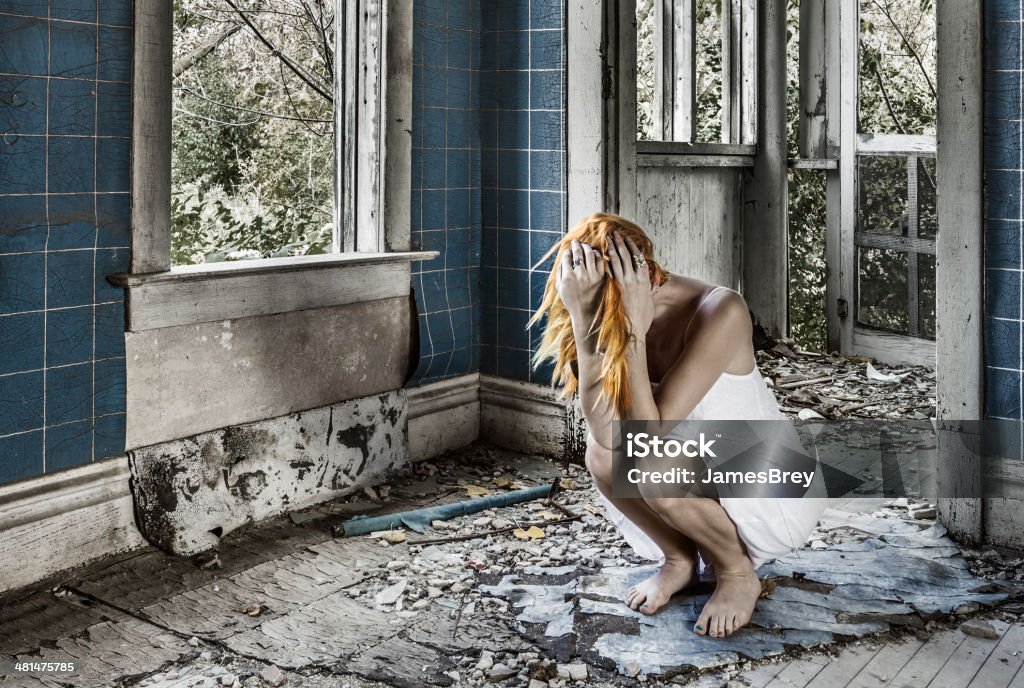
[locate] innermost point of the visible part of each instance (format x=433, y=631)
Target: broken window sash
x=696, y=74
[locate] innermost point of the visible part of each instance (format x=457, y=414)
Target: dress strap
x=695, y=310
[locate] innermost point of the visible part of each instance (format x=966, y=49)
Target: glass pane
x=708, y=69
x=882, y=192
x=882, y=288
x=807, y=268
x=897, y=67
x=928, y=223
x=645, y=71
x=252, y=139
x=926, y=294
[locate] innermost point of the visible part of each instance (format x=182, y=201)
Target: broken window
x=695, y=70
x=896, y=222
x=253, y=159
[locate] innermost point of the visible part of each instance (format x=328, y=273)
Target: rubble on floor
x=858, y=584
x=810, y=385
x=287, y=601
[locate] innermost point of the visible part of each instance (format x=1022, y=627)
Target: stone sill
x=193, y=294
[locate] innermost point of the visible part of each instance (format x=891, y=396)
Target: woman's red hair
x=612, y=325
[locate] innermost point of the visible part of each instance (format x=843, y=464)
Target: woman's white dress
x=769, y=527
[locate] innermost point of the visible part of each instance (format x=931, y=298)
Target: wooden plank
x=764, y=674
x=798, y=673
x=151, y=136
x=765, y=194
x=958, y=302
x=841, y=671
x=625, y=202
x=885, y=664
x=585, y=122
x=684, y=81
x=749, y=75
x=964, y=664
x=895, y=144
x=1003, y=664
x=655, y=160
x=895, y=242
x=370, y=89
x=346, y=127
x=846, y=203
x=396, y=137
x=892, y=348
x=685, y=148
x=928, y=661
x=169, y=304
x=812, y=123
x=813, y=164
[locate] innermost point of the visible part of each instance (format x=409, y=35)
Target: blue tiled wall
x=1004, y=207
x=488, y=177
x=522, y=134
x=65, y=113
x=446, y=184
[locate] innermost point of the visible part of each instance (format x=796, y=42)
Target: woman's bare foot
x=731, y=605
x=649, y=595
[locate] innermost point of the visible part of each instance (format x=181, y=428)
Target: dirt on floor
x=292, y=602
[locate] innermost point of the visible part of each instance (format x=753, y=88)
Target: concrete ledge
x=189, y=379
x=443, y=416
x=191, y=492
x=57, y=522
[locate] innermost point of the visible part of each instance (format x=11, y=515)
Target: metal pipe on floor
x=419, y=519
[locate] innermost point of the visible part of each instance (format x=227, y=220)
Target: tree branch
x=186, y=63
x=294, y=67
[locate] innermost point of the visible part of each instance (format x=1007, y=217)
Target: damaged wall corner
x=191, y=492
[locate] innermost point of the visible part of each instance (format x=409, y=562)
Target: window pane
x=882, y=288
x=252, y=159
x=882, y=191
x=926, y=294
x=928, y=223
x=897, y=67
x=661, y=91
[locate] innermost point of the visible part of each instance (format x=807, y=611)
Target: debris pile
x=810, y=385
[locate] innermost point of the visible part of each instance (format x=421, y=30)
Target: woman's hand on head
x=581, y=272
x=637, y=293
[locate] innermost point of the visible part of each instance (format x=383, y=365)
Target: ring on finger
x=576, y=262
x=639, y=261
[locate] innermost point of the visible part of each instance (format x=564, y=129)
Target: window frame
x=373, y=180
x=675, y=101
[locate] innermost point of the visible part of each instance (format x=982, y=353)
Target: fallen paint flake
x=476, y=491
x=531, y=533
x=852, y=588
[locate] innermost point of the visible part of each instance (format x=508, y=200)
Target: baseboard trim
x=523, y=416
x=443, y=416
x=57, y=522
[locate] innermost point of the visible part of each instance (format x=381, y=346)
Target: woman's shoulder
x=723, y=307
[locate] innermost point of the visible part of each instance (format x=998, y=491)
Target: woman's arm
x=597, y=410
x=706, y=355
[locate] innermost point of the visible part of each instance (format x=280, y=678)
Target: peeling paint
x=226, y=478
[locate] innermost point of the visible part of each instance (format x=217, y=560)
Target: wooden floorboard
x=799, y=672
x=927, y=662
x=1004, y=663
x=764, y=674
x=841, y=670
x=885, y=664
x=964, y=664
